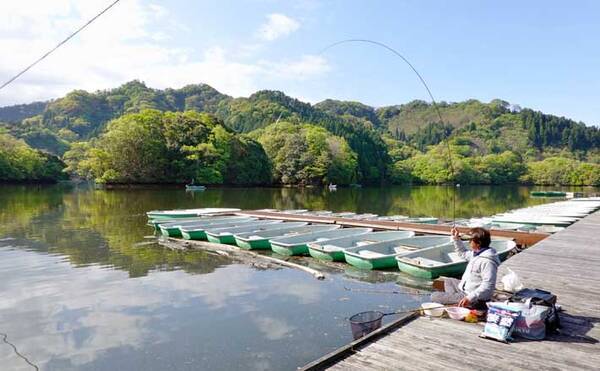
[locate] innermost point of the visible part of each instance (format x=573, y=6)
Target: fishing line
x=58, y=46
x=5, y=337
x=437, y=109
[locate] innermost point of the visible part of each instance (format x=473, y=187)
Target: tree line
x=136, y=134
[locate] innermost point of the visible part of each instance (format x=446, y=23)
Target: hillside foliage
x=490, y=143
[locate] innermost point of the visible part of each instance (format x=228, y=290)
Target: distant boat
x=332, y=187
x=548, y=194
x=194, y=188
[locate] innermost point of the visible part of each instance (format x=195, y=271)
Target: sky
x=537, y=54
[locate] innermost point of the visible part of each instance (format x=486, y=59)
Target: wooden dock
x=566, y=263
x=522, y=238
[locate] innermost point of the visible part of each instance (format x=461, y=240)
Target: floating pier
x=566, y=263
x=522, y=238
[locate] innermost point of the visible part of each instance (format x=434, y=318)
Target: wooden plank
x=522, y=238
x=346, y=350
x=565, y=263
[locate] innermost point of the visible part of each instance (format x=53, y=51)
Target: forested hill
x=19, y=112
x=386, y=141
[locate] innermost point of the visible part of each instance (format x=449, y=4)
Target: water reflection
x=83, y=290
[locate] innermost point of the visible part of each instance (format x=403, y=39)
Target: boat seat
x=426, y=262
x=331, y=248
x=370, y=254
x=454, y=257
x=364, y=243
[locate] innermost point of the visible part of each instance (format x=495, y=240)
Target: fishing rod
x=433, y=101
x=58, y=45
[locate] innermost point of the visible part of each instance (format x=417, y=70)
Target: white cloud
x=277, y=26
x=300, y=69
x=133, y=40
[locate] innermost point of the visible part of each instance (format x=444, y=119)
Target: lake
x=85, y=286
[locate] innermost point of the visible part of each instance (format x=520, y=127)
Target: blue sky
x=539, y=54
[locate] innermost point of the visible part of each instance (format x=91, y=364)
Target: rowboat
x=489, y=224
x=188, y=213
x=364, y=216
x=424, y=220
x=225, y=235
x=155, y=223
x=194, y=188
x=535, y=219
x=298, y=245
x=383, y=255
x=548, y=229
x=295, y=211
x=408, y=219
x=344, y=214
x=443, y=260
x=333, y=250
x=198, y=231
x=170, y=228
x=548, y=194
x=262, y=240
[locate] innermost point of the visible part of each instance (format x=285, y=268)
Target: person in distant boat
x=479, y=280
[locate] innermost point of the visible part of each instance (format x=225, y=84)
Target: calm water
x=84, y=286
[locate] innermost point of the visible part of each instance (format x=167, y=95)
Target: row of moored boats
x=426, y=256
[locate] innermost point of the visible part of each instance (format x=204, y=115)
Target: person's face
x=474, y=245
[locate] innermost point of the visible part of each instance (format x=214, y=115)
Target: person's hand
x=455, y=233
x=464, y=302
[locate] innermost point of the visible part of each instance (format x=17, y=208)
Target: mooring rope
x=5, y=339
x=437, y=109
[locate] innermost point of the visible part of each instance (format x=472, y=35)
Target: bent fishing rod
x=433, y=101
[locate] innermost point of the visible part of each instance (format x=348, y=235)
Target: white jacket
x=479, y=280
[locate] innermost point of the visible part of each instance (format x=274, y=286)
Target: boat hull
x=425, y=272
x=373, y=263
x=171, y=216
x=194, y=235
x=170, y=231
x=226, y=239
x=335, y=256
x=452, y=270
x=299, y=249
x=262, y=244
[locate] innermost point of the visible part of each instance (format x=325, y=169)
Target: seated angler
x=479, y=280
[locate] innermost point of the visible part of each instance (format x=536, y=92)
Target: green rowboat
x=198, y=231
x=173, y=229
x=188, y=213
x=333, y=250
x=548, y=194
x=443, y=260
x=226, y=235
x=262, y=240
x=298, y=245
x=383, y=255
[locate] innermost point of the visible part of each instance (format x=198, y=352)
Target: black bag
x=541, y=297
